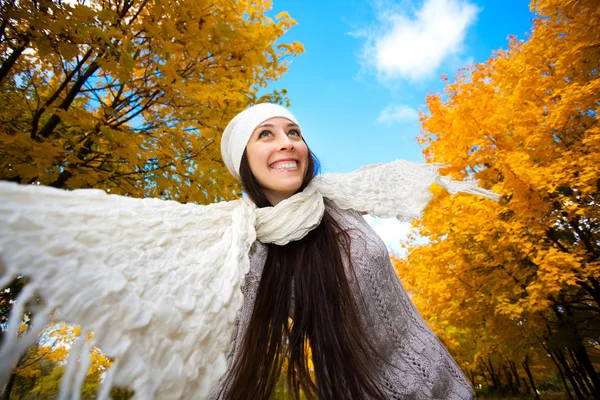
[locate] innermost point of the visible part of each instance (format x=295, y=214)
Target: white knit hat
x=240, y=128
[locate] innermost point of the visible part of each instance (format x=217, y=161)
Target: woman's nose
x=285, y=142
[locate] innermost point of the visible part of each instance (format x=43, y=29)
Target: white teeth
x=286, y=165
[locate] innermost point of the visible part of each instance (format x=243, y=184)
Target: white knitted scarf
x=158, y=282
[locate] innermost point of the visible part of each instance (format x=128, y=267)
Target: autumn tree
x=519, y=280
x=131, y=96
x=40, y=369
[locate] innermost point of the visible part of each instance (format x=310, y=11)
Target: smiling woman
x=278, y=158
x=197, y=302
x=336, y=284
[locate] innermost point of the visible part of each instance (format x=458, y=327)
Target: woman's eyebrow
x=265, y=125
x=272, y=126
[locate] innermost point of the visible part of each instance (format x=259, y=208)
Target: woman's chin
x=291, y=188
x=283, y=191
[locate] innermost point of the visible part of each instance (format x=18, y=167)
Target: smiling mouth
x=285, y=166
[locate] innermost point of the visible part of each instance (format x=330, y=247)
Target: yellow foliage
x=498, y=279
x=133, y=99
x=52, y=349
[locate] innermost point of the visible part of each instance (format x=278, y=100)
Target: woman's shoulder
x=364, y=240
x=349, y=219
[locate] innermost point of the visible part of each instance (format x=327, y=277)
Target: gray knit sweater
x=422, y=367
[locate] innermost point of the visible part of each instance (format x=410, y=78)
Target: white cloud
x=398, y=113
x=413, y=47
x=391, y=232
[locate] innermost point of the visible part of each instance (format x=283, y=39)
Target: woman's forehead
x=277, y=120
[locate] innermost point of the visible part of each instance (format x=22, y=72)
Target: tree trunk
x=54, y=120
x=513, y=368
x=487, y=384
x=560, y=357
x=68, y=78
x=536, y=396
x=495, y=384
x=49, y=127
x=562, y=375
x=12, y=59
x=527, y=390
x=578, y=377
x=509, y=380
x=581, y=370
x=472, y=378
x=584, y=359
x=596, y=291
x=66, y=174
x=9, y=386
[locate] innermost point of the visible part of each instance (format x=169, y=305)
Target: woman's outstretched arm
x=156, y=281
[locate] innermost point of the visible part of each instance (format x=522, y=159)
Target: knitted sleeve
x=419, y=366
x=158, y=282
x=396, y=189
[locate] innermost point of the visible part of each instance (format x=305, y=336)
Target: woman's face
x=278, y=158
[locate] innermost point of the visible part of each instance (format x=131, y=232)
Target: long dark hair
x=325, y=316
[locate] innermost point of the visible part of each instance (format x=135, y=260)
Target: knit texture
x=421, y=367
x=159, y=282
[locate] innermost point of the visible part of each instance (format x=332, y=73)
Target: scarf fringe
x=158, y=282
x=467, y=186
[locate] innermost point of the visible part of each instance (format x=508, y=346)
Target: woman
x=193, y=301
x=336, y=284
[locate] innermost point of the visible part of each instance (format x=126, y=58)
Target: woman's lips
x=286, y=170
x=292, y=165
x=288, y=160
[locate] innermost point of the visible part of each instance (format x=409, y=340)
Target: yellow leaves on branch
x=525, y=124
x=133, y=99
x=51, y=351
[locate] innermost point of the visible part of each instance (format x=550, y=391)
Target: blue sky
x=369, y=65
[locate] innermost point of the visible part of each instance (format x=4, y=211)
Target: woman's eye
x=264, y=134
x=294, y=132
